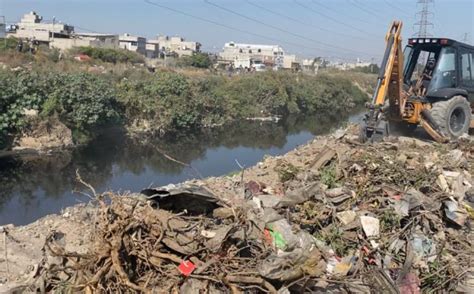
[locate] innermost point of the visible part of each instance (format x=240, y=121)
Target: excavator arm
x=390, y=87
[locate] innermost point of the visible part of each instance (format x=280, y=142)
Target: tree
x=199, y=60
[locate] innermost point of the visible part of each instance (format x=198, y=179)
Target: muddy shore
x=448, y=168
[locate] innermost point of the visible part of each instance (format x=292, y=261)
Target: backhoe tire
x=453, y=116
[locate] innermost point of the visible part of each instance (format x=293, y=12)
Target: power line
x=231, y=27
x=329, y=8
x=300, y=21
x=332, y=18
x=280, y=29
x=397, y=8
x=357, y=4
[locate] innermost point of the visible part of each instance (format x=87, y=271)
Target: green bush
x=373, y=69
x=110, y=55
x=165, y=100
x=82, y=101
x=8, y=43
x=199, y=60
x=172, y=101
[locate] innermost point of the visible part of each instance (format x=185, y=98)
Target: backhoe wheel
x=453, y=116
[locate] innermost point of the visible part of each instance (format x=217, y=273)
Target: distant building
x=152, y=49
x=350, y=65
x=236, y=53
x=133, y=43
x=31, y=26
x=177, y=45
x=86, y=40
x=58, y=35
x=311, y=65
x=291, y=62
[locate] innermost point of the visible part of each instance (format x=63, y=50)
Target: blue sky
x=329, y=28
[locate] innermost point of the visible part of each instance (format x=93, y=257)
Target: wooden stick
x=6, y=251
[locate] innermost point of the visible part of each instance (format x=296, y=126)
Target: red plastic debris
x=186, y=267
x=397, y=197
x=410, y=284
x=267, y=236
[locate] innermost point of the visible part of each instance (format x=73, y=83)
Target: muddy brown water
x=34, y=186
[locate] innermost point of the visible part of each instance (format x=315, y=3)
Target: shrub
x=166, y=100
x=110, y=55
x=82, y=101
x=8, y=43
x=199, y=60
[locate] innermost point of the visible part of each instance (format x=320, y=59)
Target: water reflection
x=33, y=186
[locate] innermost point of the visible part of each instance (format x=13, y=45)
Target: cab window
x=467, y=69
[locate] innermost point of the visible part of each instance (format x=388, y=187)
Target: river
x=34, y=186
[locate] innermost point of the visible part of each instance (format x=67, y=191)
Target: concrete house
x=133, y=43
x=86, y=40
x=177, y=45
x=152, y=49
x=238, y=54
x=59, y=35
x=31, y=26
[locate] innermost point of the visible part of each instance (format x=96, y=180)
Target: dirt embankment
x=330, y=216
x=41, y=136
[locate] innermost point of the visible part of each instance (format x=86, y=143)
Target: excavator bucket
x=374, y=127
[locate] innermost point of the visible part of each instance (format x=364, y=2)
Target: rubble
x=332, y=216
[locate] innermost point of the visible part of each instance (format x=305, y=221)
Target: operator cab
x=436, y=67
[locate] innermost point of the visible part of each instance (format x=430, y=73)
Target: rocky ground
x=330, y=216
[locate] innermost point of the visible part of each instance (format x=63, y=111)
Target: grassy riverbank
x=88, y=97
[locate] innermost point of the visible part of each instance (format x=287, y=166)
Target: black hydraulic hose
x=383, y=66
x=385, y=57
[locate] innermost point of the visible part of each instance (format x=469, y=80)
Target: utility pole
x=3, y=28
x=54, y=22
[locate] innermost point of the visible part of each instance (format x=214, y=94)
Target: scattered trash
x=410, y=284
x=454, y=213
x=334, y=216
x=186, y=267
x=424, y=248
x=346, y=217
x=371, y=226
x=177, y=198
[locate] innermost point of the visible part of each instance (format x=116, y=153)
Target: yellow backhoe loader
x=430, y=84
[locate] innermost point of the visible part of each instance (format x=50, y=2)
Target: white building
x=178, y=45
x=86, y=40
x=31, y=26
x=290, y=61
x=310, y=65
x=133, y=43
x=236, y=53
x=350, y=65
x=58, y=35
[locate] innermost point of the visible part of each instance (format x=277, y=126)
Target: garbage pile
x=391, y=217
